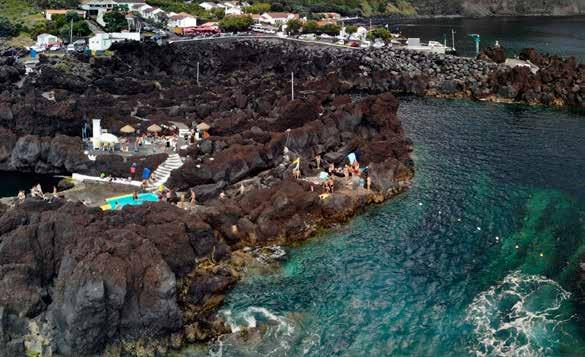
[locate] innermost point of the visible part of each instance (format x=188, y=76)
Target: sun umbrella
x=127, y=129
x=154, y=128
x=108, y=138
x=203, y=127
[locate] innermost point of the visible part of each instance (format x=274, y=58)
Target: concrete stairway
x=163, y=172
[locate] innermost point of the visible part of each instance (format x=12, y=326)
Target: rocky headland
x=79, y=281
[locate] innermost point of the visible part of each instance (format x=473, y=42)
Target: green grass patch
x=20, y=12
x=400, y=7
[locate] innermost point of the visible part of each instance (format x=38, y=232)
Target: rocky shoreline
x=76, y=280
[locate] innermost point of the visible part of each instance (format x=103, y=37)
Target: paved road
x=195, y=39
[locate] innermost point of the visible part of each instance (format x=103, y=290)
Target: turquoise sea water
x=476, y=259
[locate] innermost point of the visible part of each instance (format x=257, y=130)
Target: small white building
x=182, y=20
x=208, y=5
x=277, y=18
x=360, y=34
x=46, y=40
x=103, y=41
x=49, y=13
x=234, y=11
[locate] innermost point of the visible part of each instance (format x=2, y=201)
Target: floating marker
x=420, y=203
x=479, y=228
x=497, y=238
x=458, y=219
x=517, y=246
x=542, y=254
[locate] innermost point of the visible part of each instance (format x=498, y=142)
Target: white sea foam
x=517, y=317
x=249, y=319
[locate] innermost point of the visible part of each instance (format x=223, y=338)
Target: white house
x=182, y=20
x=208, y=5
x=46, y=40
x=360, y=34
x=233, y=11
x=49, y=13
x=103, y=41
x=277, y=18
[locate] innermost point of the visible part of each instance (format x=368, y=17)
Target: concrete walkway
x=163, y=171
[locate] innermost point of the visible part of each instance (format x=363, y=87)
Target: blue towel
x=145, y=173
x=351, y=158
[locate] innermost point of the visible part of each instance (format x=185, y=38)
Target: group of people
x=351, y=172
x=167, y=142
x=37, y=192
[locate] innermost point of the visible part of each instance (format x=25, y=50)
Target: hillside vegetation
x=436, y=7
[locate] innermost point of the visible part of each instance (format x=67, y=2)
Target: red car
x=353, y=44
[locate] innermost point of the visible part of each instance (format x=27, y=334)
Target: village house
x=94, y=7
x=46, y=40
x=328, y=15
x=49, y=13
x=182, y=20
x=208, y=6
x=103, y=41
x=277, y=18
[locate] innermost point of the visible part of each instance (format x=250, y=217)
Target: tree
x=7, y=29
x=236, y=23
x=350, y=30
x=115, y=21
x=311, y=27
x=218, y=13
x=257, y=8
x=57, y=4
x=293, y=26
x=276, y=6
x=330, y=29
x=379, y=32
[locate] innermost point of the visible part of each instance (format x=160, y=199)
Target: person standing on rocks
x=133, y=170
x=318, y=160
x=193, y=198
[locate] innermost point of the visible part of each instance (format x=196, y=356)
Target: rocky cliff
x=150, y=278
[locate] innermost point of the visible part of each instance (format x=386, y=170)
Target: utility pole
x=197, y=74
x=292, y=85
x=71, y=31
x=370, y=24
x=453, y=38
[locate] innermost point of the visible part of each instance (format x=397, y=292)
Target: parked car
x=55, y=48
x=353, y=44
x=70, y=48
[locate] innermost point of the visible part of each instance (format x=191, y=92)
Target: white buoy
x=420, y=203
x=479, y=228
x=458, y=219
x=497, y=238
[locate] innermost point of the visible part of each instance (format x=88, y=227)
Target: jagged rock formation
x=95, y=279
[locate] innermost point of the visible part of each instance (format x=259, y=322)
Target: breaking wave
x=521, y=316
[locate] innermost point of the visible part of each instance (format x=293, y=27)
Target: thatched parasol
x=203, y=126
x=127, y=129
x=154, y=128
